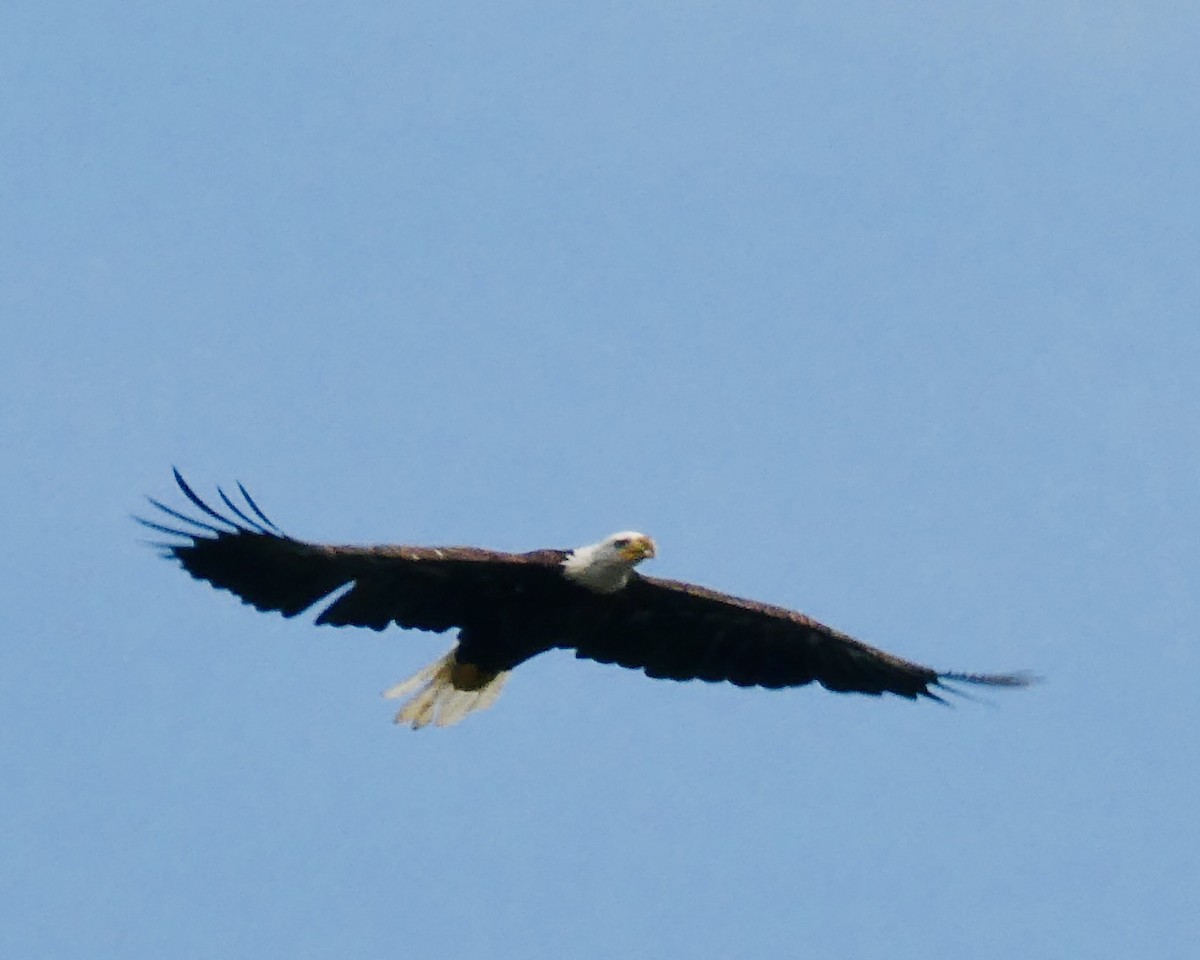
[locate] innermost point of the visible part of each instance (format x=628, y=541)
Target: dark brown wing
x=429, y=588
x=679, y=631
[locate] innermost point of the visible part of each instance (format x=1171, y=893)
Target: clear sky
x=887, y=312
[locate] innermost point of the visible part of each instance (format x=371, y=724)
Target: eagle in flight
x=508, y=607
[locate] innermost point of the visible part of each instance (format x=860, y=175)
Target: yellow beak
x=640, y=549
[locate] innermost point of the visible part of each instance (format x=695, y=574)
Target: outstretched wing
x=428, y=588
x=679, y=631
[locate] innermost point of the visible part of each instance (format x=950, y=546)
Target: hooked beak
x=640, y=549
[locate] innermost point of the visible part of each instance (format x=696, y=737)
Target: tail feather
x=434, y=698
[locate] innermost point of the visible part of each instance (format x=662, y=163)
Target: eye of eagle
x=622, y=543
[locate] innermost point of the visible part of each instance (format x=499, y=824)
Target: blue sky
x=885, y=312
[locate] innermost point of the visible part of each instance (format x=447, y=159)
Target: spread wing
x=428, y=588
x=679, y=631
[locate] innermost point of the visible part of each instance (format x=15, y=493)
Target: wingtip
x=1015, y=680
x=257, y=511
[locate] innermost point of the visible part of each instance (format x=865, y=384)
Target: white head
x=605, y=566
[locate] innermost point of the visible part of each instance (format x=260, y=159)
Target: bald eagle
x=508, y=607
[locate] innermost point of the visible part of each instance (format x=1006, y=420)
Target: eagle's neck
x=597, y=568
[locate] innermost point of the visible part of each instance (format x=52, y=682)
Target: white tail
x=445, y=691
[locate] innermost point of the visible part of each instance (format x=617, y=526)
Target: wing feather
x=429, y=588
x=679, y=631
